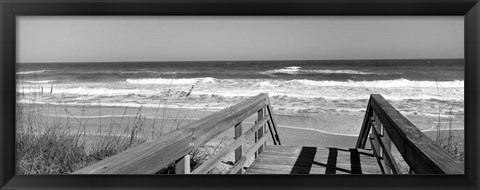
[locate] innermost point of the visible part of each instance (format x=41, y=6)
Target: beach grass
x=449, y=141
x=63, y=145
x=445, y=136
x=57, y=147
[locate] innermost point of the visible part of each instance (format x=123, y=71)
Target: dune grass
x=448, y=140
x=444, y=136
x=63, y=145
x=57, y=147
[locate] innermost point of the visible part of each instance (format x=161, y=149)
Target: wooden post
x=378, y=127
x=239, y=150
x=256, y=137
x=375, y=141
x=376, y=145
x=383, y=136
x=273, y=125
x=265, y=133
x=260, y=132
x=182, y=166
x=388, y=148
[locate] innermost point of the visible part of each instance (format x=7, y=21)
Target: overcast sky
x=203, y=38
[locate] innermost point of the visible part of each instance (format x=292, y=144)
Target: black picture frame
x=9, y=9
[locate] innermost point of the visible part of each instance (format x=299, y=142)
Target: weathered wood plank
x=321, y=151
x=322, y=154
x=273, y=122
x=146, y=158
x=390, y=163
x=298, y=148
x=342, y=158
x=313, y=160
x=284, y=149
x=265, y=168
x=286, y=169
x=266, y=171
x=377, y=127
x=286, y=160
x=239, y=150
x=259, y=132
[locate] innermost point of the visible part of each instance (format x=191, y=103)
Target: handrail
x=152, y=156
x=385, y=124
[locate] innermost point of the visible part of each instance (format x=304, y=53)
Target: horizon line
x=266, y=60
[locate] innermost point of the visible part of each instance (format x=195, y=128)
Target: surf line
x=342, y=134
x=317, y=130
x=433, y=129
x=310, y=129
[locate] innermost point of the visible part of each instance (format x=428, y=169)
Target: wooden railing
x=176, y=146
x=383, y=124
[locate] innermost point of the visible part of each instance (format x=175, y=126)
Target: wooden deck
x=383, y=126
x=314, y=160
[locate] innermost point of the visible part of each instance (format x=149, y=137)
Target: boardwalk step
x=314, y=160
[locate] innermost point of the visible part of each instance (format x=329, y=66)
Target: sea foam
x=165, y=81
x=383, y=83
x=396, y=83
x=295, y=70
x=294, y=96
x=31, y=72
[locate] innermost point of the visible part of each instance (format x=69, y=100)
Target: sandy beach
x=319, y=129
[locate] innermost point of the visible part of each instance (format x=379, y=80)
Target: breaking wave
x=31, y=72
x=294, y=70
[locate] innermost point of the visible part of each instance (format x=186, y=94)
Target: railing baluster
x=182, y=166
x=239, y=150
x=273, y=124
x=376, y=145
x=372, y=140
x=264, y=128
x=381, y=130
x=265, y=133
x=378, y=126
x=388, y=148
x=259, y=132
x=364, y=131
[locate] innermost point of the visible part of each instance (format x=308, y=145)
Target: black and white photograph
x=240, y=95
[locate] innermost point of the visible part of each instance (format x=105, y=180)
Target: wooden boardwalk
x=314, y=160
x=384, y=129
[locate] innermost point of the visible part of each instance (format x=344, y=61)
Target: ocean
x=414, y=87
